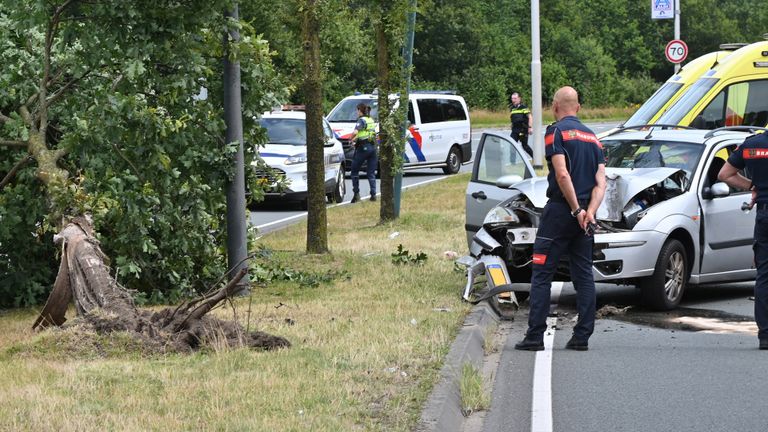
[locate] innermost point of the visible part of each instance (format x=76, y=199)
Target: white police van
x=439, y=135
x=286, y=155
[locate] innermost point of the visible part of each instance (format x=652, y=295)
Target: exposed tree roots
x=105, y=306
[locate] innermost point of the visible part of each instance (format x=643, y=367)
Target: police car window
x=285, y=131
x=499, y=158
x=652, y=106
x=430, y=110
x=346, y=110
x=411, y=117
x=327, y=130
x=452, y=110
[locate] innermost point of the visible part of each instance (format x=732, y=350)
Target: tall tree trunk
x=317, y=220
x=386, y=149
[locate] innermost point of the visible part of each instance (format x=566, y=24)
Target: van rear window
x=439, y=110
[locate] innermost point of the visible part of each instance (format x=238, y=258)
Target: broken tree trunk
x=106, y=306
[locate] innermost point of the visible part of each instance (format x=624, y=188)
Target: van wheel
x=341, y=188
x=453, y=163
x=664, y=289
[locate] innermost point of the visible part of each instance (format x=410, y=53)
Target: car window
x=346, y=110
x=285, y=131
x=652, y=154
x=740, y=104
x=686, y=103
x=453, y=110
x=411, y=117
x=430, y=110
x=652, y=106
x=499, y=158
x=327, y=130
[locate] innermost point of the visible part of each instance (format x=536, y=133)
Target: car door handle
x=479, y=195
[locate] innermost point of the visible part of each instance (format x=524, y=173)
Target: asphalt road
x=696, y=369
x=272, y=216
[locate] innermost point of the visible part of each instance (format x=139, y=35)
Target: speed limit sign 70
x=676, y=51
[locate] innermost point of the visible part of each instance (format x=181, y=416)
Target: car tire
x=453, y=163
x=341, y=188
x=665, y=288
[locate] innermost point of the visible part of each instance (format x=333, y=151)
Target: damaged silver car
x=665, y=222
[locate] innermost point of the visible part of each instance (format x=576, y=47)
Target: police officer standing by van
x=753, y=155
x=522, y=121
x=364, y=138
x=576, y=187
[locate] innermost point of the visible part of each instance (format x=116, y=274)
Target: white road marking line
x=303, y=214
x=541, y=402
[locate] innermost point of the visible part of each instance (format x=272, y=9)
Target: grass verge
x=473, y=396
x=487, y=118
x=367, y=345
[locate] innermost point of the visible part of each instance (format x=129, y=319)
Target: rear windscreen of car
x=440, y=110
x=652, y=154
x=285, y=131
x=346, y=110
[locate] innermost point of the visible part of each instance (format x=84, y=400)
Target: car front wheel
x=341, y=188
x=664, y=289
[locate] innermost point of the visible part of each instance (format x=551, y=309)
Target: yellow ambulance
x=733, y=93
x=677, y=84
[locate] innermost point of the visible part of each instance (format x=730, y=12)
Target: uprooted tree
x=103, y=111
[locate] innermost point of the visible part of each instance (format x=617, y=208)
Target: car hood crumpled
x=622, y=185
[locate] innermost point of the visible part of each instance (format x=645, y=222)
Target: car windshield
x=346, y=111
x=652, y=106
x=652, y=154
x=285, y=131
x=685, y=104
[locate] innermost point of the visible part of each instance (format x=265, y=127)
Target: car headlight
x=296, y=159
x=500, y=216
x=337, y=157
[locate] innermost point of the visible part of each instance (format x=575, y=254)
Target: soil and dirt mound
x=105, y=307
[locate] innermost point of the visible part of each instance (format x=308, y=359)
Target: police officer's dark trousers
x=559, y=233
x=522, y=136
x=364, y=152
x=760, y=247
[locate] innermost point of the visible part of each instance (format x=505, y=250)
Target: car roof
x=278, y=114
x=695, y=136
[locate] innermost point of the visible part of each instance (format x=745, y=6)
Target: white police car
x=286, y=155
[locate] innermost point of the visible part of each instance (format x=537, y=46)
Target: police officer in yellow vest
x=522, y=121
x=364, y=138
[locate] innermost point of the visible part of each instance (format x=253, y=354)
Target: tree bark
x=386, y=148
x=317, y=221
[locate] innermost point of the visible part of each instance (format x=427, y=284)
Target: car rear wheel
x=453, y=163
x=664, y=289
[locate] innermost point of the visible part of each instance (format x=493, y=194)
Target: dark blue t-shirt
x=583, y=154
x=753, y=155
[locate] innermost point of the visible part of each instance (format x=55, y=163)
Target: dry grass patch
x=367, y=346
x=487, y=118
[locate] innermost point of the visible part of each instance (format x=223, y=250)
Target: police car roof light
x=445, y=92
x=752, y=129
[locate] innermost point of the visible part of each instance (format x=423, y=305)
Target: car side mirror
x=720, y=190
x=507, y=181
x=329, y=142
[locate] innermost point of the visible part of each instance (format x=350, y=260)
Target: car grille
x=269, y=177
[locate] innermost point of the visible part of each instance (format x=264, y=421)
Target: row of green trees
x=610, y=50
x=99, y=114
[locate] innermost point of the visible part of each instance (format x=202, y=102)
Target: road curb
x=442, y=412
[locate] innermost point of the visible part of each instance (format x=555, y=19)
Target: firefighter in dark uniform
x=522, y=121
x=576, y=187
x=753, y=155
